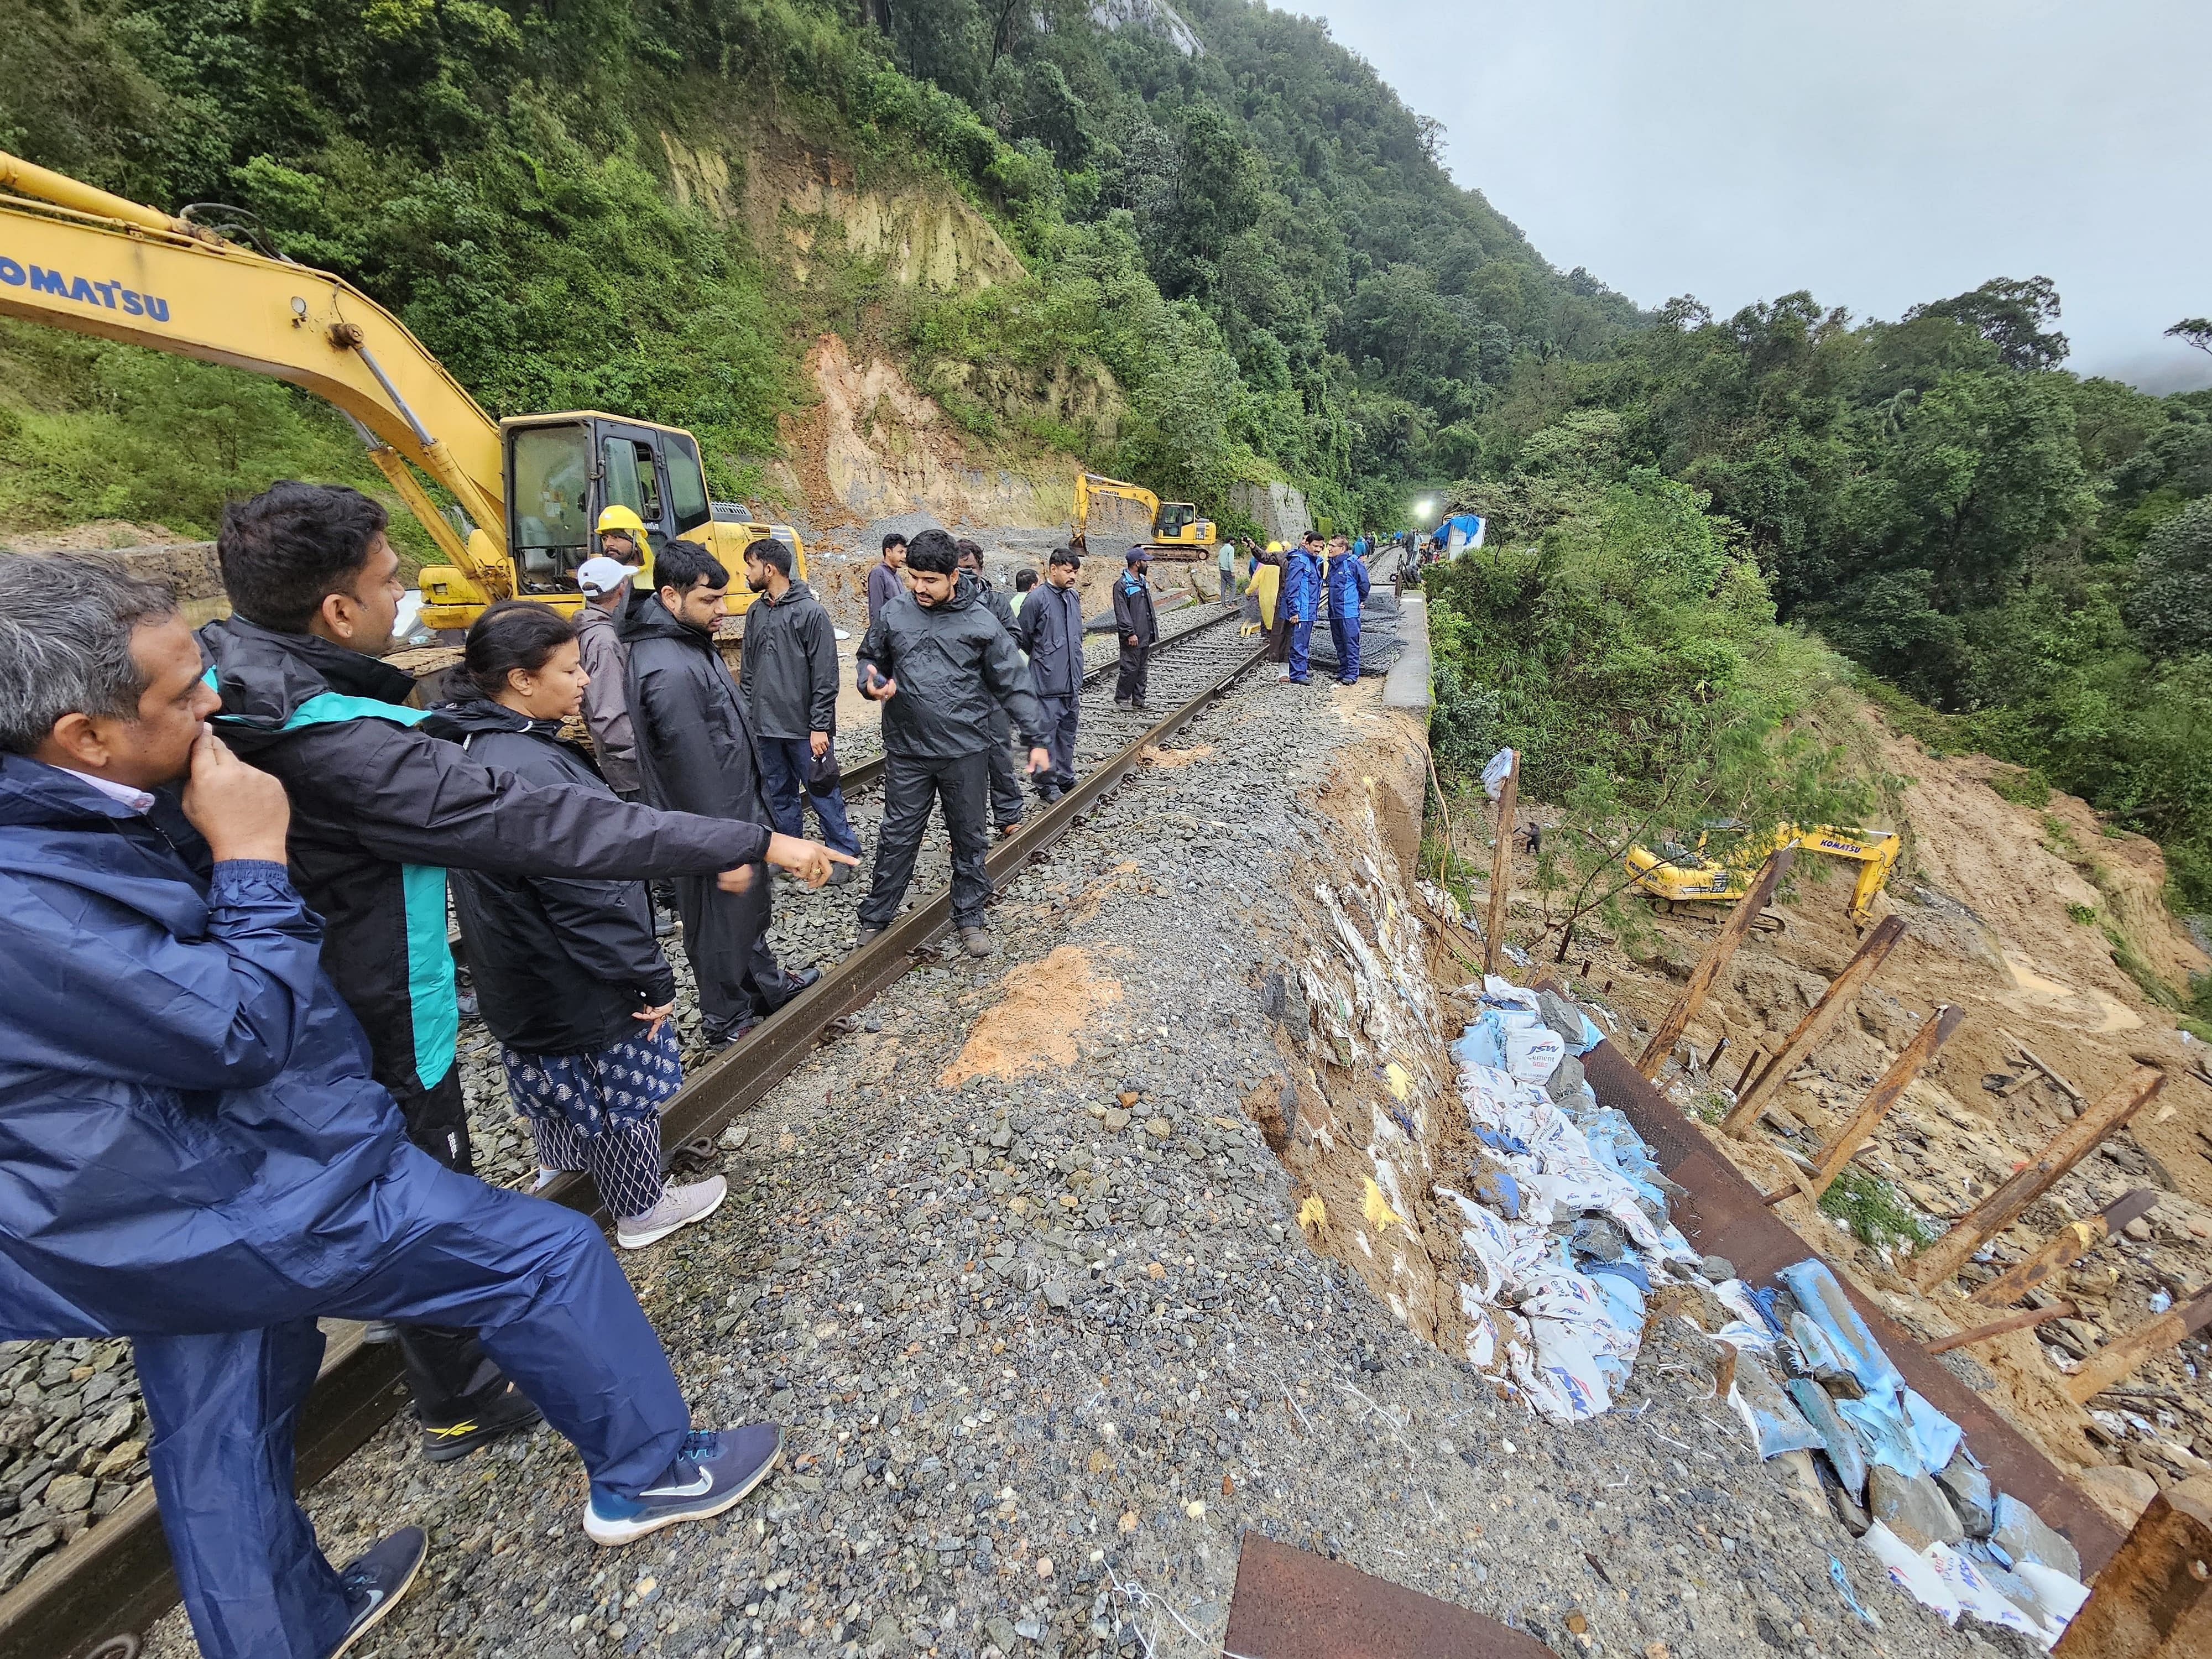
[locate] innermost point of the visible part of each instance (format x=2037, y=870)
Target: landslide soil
x=2006, y=908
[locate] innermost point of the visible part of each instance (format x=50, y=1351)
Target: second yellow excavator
x=1173, y=530
x=529, y=489
x=1682, y=875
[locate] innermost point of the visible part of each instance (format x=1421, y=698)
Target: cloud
x=1882, y=154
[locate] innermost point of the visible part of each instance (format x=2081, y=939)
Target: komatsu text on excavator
x=528, y=489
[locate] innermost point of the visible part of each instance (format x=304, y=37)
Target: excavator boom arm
x=75, y=258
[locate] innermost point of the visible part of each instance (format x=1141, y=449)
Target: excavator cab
x=1179, y=525
x=563, y=471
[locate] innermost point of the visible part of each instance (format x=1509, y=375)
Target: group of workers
x=229, y=1104
x=228, y=1101
x=1286, y=589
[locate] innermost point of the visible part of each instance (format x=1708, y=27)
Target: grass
x=2084, y=914
x=2023, y=788
x=1876, y=1210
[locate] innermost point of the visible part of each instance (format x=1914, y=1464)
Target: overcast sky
x=1879, y=154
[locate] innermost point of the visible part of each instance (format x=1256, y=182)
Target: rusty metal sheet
x=2153, y=1599
x=1725, y=1217
x=1292, y=1604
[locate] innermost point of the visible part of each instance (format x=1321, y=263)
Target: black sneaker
x=508, y=1412
x=375, y=1581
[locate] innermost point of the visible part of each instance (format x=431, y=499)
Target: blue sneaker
x=714, y=1472
x=375, y=1581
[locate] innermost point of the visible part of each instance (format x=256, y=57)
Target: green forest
x=1234, y=218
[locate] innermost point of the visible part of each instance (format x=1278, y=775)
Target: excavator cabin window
x=549, y=493
x=1174, y=518
x=562, y=478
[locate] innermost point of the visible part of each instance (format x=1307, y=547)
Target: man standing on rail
x=694, y=746
x=789, y=674
x=1347, y=593
x=885, y=582
x=195, y=1155
x=380, y=812
x=938, y=662
x=1137, y=627
x=1006, y=787
x=1050, y=631
x=1300, y=603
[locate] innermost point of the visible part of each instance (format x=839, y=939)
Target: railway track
x=864, y=774
x=91, y=1597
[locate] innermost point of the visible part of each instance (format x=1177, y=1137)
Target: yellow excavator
x=529, y=489
x=1679, y=875
x=1174, y=530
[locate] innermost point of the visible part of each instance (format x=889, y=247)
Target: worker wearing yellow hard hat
x=622, y=533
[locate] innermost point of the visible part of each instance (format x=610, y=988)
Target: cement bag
x=1934, y=1436
x=1771, y=1416
x=1486, y=1243
x=1879, y=1418
x=2058, y=1596
x=1481, y=1330
x=1480, y=1047
x=1826, y=1306
x=1561, y=1375
x=1975, y=1593
x=1533, y=1053
x=1512, y=1005
x=1910, y=1573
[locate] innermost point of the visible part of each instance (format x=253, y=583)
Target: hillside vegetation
x=1248, y=240
x=2020, y=560
x=1224, y=252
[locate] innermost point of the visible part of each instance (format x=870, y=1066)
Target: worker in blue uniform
x=1301, y=603
x=194, y=1152
x=1347, y=593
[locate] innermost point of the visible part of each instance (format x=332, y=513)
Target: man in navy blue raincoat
x=1347, y=593
x=194, y=1154
x=1300, y=601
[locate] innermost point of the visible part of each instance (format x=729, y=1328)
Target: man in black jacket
x=695, y=749
x=939, y=662
x=380, y=812
x=1050, y=629
x=1006, y=786
x=789, y=674
x=1138, y=628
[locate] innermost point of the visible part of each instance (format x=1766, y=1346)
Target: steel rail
x=864, y=775
x=116, y=1579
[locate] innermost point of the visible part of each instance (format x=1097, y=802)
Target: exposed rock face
x=1154, y=16
x=1280, y=509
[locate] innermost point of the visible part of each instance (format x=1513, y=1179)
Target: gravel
x=1046, y=1345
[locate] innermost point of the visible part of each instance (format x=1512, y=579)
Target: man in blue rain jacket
x=1300, y=601
x=194, y=1153
x=1347, y=593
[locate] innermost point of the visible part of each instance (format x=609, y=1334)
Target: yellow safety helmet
x=620, y=517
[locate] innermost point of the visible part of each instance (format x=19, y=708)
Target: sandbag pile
x=1563, y=1217
x=1813, y=1379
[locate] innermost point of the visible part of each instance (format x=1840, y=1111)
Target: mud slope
x=2007, y=909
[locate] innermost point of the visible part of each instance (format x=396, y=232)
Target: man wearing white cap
x=605, y=585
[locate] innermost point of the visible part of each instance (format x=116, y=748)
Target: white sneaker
x=679, y=1206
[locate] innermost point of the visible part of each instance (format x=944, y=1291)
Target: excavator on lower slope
x=528, y=489
x=1681, y=875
